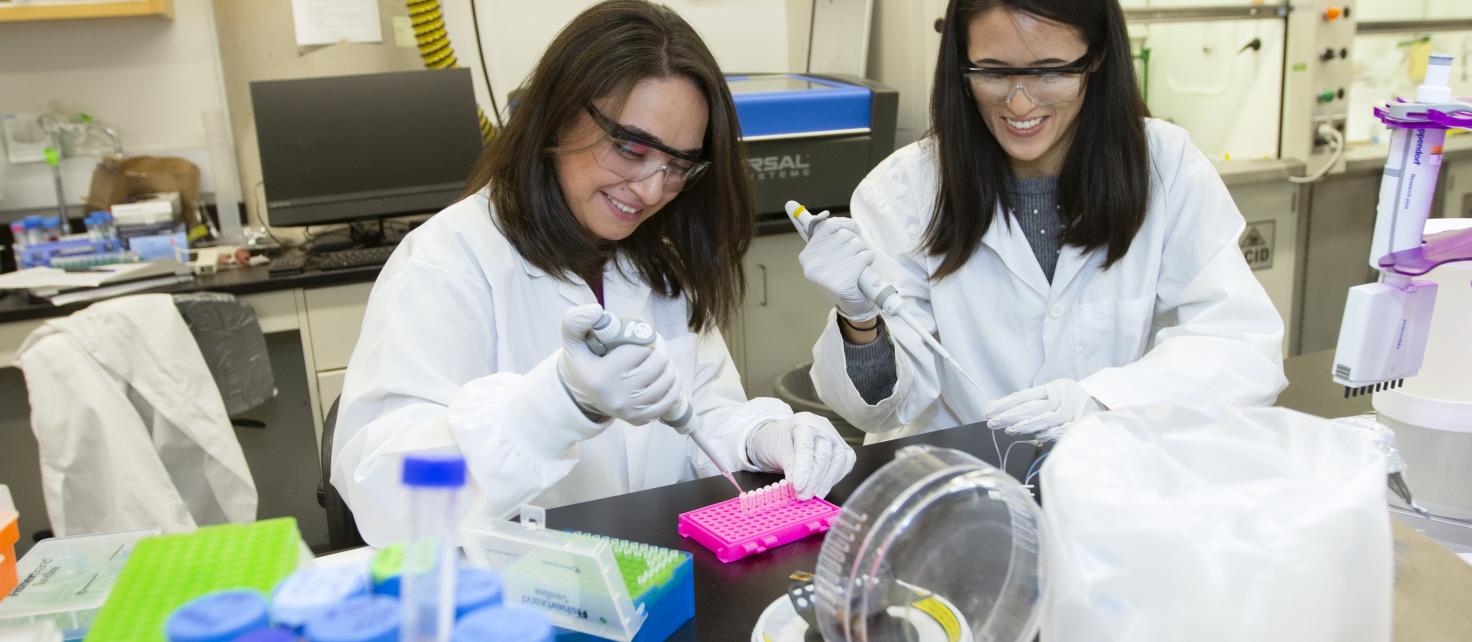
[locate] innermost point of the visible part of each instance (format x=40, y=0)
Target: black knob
x=1327, y=55
x=940, y=25
x=1343, y=52
x=1340, y=93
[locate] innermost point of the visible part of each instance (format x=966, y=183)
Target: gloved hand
x=1045, y=410
x=806, y=448
x=833, y=259
x=637, y=384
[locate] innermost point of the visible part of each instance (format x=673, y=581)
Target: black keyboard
x=357, y=257
x=288, y=264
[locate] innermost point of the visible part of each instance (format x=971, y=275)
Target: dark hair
x=1104, y=186
x=695, y=243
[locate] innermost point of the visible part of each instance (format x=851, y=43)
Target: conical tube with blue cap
x=427, y=593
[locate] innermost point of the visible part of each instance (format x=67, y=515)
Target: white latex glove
x=1045, y=411
x=806, y=448
x=637, y=384
x=833, y=259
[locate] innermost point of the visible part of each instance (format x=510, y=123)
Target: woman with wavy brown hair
x=617, y=184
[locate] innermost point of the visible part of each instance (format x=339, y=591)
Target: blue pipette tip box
x=667, y=604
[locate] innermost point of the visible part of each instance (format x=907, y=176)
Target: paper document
x=44, y=278
x=324, y=22
x=109, y=291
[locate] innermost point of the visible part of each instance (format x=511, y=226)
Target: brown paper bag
x=118, y=179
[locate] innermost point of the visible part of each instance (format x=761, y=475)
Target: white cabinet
x=782, y=317
x=334, y=316
x=329, y=387
x=330, y=319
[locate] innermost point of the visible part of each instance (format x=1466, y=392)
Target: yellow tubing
x=435, y=49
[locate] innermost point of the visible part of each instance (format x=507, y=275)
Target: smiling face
x=668, y=110
x=1035, y=137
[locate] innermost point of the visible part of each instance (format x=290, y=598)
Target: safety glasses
x=1043, y=85
x=636, y=158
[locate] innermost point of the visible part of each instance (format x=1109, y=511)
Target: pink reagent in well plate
x=756, y=521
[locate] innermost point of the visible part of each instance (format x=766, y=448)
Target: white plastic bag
x=1261, y=524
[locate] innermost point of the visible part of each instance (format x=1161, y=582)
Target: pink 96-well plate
x=756, y=522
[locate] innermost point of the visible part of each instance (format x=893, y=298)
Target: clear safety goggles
x=1043, y=85
x=636, y=158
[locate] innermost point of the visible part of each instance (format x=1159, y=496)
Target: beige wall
x=154, y=79
x=150, y=78
x=257, y=43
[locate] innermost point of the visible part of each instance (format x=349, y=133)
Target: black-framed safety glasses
x=628, y=154
x=1043, y=85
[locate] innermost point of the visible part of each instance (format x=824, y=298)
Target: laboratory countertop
x=19, y=306
x=1247, y=172
x=730, y=597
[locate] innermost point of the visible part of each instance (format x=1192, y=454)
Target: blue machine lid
x=794, y=104
x=217, y=617
x=503, y=624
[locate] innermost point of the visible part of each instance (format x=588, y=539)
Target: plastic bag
x=1258, y=524
x=231, y=342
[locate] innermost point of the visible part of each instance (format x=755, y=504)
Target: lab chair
x=342, y=529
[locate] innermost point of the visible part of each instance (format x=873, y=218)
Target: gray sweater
x=871, y=366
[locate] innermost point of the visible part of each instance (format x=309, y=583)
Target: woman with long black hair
x=1072, y=253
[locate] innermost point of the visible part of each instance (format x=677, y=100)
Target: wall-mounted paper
x=325, y=22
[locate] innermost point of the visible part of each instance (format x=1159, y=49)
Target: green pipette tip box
x=643, y=566
x=166, y=571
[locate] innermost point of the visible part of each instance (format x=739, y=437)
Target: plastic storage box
x=66, y=580
x=9, y=535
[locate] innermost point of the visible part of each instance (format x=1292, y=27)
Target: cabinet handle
x=763, y=270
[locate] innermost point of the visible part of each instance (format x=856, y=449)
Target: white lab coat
x=458, y=353
x=130, y=424
x=1179, y=319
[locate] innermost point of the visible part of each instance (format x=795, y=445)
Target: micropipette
x=879, y=292
x=610, y=332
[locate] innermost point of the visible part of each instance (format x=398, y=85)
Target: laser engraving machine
x=816, y=135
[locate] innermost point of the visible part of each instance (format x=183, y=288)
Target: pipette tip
x=732, y=478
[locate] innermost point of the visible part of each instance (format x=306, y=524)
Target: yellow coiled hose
x=435, y=49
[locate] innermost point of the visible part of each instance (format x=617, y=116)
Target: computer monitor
x=346, y=148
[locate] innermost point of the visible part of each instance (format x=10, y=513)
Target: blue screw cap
x=504, y=624
x=310, y=591
x=221, y=616
x=443, y=471
x=359, y=619
x=269, y=635
x=475, y=589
